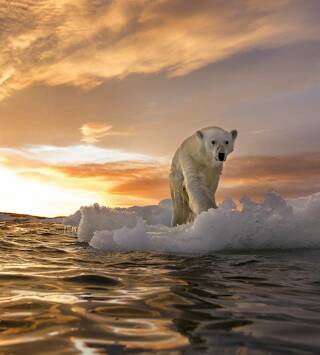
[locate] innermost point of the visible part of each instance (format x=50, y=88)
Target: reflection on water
x=57, y=296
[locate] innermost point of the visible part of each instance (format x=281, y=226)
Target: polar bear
x=195, y=172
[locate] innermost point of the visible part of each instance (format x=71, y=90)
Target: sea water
x=236, y=281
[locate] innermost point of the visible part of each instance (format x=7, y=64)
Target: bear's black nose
x=221, y=156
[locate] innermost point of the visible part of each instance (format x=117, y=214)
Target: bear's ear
x=199, y=134
x=234, y=134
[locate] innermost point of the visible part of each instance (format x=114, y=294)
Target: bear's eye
x=227, y=142
x=213, y=142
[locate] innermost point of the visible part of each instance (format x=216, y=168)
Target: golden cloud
x=132, y=182
x=291, y=175
x=92, y=132
x=129, y=180
x=82, y=42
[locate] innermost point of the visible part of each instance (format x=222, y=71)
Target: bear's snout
x=222, y=156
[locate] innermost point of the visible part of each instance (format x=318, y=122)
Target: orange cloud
x=82, y=43
x=128, y=183
x=92, y=132
x=291, y=175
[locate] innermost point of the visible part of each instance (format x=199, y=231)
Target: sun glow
x=23, y=195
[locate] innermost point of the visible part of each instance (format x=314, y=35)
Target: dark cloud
x=292, y=166
x=291, y=175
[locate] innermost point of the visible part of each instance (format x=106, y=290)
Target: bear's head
x=217, y=143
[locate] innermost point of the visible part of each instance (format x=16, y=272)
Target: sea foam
x=275, y=223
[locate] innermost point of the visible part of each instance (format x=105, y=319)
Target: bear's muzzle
x=222, y=156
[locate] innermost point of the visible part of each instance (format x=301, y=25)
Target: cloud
x=291, y=175
x=121, y=182
x=129, y=182
x=141, y=181
x=92, y=132
x=83, y=43
x=75, y=154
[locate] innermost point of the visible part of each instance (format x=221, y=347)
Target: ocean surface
x=59, y=296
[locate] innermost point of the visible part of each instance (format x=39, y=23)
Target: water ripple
x=59, y=296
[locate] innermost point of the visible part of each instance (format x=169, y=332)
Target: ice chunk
x=275, y=223
x=96, y=218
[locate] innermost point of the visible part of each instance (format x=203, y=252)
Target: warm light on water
x=57, y=296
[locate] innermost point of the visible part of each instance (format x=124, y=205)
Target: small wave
x=14, y=277
x=92, y=280
x=275, y=223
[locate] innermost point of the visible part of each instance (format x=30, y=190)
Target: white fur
x=196, y=170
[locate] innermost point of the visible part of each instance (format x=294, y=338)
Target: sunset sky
x=96, y=95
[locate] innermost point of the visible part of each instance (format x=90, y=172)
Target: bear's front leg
x=199, y=198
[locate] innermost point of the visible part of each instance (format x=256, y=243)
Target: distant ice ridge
x=276, y=223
